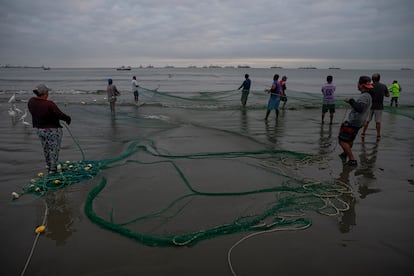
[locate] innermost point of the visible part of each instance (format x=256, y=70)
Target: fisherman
x=112, y=92
x=135, y=86
x=45, y=118
x=356, y=119
x=246, y=89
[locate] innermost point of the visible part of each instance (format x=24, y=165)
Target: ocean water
x=189, y=160
x=87, y=84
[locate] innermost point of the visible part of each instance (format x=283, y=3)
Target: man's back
x=379, y=91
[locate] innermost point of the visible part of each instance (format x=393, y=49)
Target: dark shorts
x=347, y=132
x=283, y=98
x=136, y=93
x=245, y=94
x=330, y=107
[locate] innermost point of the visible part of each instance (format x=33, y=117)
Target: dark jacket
x=45, y=113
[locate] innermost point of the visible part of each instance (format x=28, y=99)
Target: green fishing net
x=286, y=201
x=272, y=191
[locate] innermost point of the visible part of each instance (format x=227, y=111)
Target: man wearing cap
x=356, y=119
x=45, y=119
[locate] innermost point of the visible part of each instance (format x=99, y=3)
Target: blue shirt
x=246, y=84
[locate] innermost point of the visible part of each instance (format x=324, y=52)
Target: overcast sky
x=106, y=33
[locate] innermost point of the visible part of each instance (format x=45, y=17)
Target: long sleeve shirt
x=45, y=113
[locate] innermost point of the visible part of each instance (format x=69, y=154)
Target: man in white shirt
x=135, y=89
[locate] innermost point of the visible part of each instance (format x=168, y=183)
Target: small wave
x=157, y=117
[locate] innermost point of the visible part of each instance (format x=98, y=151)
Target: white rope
x=35, y=240
x=255, y=234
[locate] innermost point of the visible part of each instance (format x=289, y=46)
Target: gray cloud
x=104, y=33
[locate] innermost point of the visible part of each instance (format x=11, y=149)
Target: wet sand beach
x=219, y=151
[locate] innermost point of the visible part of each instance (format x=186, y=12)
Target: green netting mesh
x=292, y=197
x=69, y=173
x=288, y=199
x=406, y=111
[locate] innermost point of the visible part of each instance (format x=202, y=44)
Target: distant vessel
x=45, y=67
x=308, y=67
x=123, y=68
x=243, y=66
x=334, y=68
x=276, y=67
x=405, y=68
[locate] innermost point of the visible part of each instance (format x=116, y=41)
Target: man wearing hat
x=356, y=119
x=45, y=119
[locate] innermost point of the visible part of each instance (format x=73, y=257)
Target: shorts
x=273, y=103
x=136, y=94
x=347, y=132
x=377, y=113
x=330, y=107
x=283, y=98
x=244, y=96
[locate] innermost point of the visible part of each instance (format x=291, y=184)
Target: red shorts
x=347, y=132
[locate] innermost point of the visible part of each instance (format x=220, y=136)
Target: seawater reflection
x=362, y=179
x=60, y=217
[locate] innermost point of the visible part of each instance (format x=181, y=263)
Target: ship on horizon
x=308, y=67
x=123, y=68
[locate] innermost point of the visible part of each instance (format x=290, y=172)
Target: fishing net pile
x=282, y=203
x=169, y=199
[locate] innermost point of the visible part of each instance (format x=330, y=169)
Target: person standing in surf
x=135, y=86
x=379, y=91
x=112, y=92
x=274, y=100
x=283, y=87
x=45, y=119
x=328, y=101
x=246, y=90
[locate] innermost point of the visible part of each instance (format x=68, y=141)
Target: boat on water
x=243, y=66
x=308, y=67
x=334, y=68
x=123, y=68
x=276, y=67
x=405, y=69
x=45, y=67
